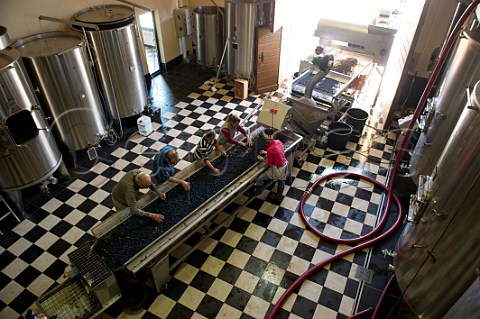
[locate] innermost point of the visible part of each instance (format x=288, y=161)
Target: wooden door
x=268, y=60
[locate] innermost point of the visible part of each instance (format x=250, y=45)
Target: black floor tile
x=23, y=301
x=202, y=281
x=209, y=307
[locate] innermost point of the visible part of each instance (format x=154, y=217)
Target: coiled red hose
x=327, y=261
x=351, y=241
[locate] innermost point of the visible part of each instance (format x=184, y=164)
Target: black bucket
x=338, y=135
x=357, y=118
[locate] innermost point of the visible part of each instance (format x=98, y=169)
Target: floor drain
x=364, y=274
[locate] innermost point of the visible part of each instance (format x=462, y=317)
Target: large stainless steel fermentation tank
x=132, y=243
x=116, y=56
x=242, y=18
x=28, y=152
x=462, y=73
x=209, y=35
x=58, y=67
x=438, y=254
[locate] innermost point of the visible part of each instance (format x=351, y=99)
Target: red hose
x=384, y=293
x=361, y=313
x=436, y=71
x=327, y=261
x=441, y=60
x=352, y=241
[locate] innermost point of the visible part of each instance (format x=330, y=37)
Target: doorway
x=150, y=43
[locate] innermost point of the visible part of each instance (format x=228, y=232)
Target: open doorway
x=150, y=43
x=382, y=31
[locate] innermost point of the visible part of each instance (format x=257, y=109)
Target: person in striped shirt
x=205, y=147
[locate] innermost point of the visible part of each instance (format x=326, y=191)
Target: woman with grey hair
x=205, y=147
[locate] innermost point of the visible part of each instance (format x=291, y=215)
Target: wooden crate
x=241, y=88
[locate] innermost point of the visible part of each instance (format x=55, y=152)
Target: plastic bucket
x=338, y=135
x=356, y=118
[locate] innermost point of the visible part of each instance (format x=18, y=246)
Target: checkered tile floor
x=243, y=269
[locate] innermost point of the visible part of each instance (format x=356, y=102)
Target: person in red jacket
x=277, y=164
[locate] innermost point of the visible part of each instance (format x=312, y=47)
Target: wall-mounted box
x=183, y=22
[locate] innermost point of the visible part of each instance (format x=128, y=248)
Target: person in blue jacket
x=163, y=167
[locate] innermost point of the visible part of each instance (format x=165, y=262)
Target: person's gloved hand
x=249, y=141
x=162, y=195
x=260, y=158
x=263, y=152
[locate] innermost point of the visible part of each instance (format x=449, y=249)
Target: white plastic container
x=144, y=124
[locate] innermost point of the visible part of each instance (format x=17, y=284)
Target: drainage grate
x=364, y=274
x=71, y=300
x=90, y=265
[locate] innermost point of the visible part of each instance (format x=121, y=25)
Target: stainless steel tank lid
x=7, y=57
x=4, y=39
x=46, y=44
x=106, y=14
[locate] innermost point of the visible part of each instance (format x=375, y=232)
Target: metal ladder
x=9, y=212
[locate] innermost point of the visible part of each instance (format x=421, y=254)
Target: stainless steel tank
x=58, y=66
x=437, y=258
x=4, y=39
x=463, y=71
x=209, y=35
x=242, y=17
x=468, y=306
x=117, y=58
x=28, y=152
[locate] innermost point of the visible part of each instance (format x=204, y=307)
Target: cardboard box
x=241, y=88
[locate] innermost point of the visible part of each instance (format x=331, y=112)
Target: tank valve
x=417, y=246
x=433, y=258
x=44, y=185
x=390, y=253
x=44, y=188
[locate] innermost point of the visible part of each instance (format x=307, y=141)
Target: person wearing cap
x=205, y=147
x=317, y=58
x=277, y=165
x=323, y=62
x=228, y=130
x=124, y=194
x=164, y=167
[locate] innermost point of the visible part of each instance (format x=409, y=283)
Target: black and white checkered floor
x=244, y=268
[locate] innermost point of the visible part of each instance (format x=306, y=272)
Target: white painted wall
x=21, y=18
x=434, y=30
x=199, y=3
